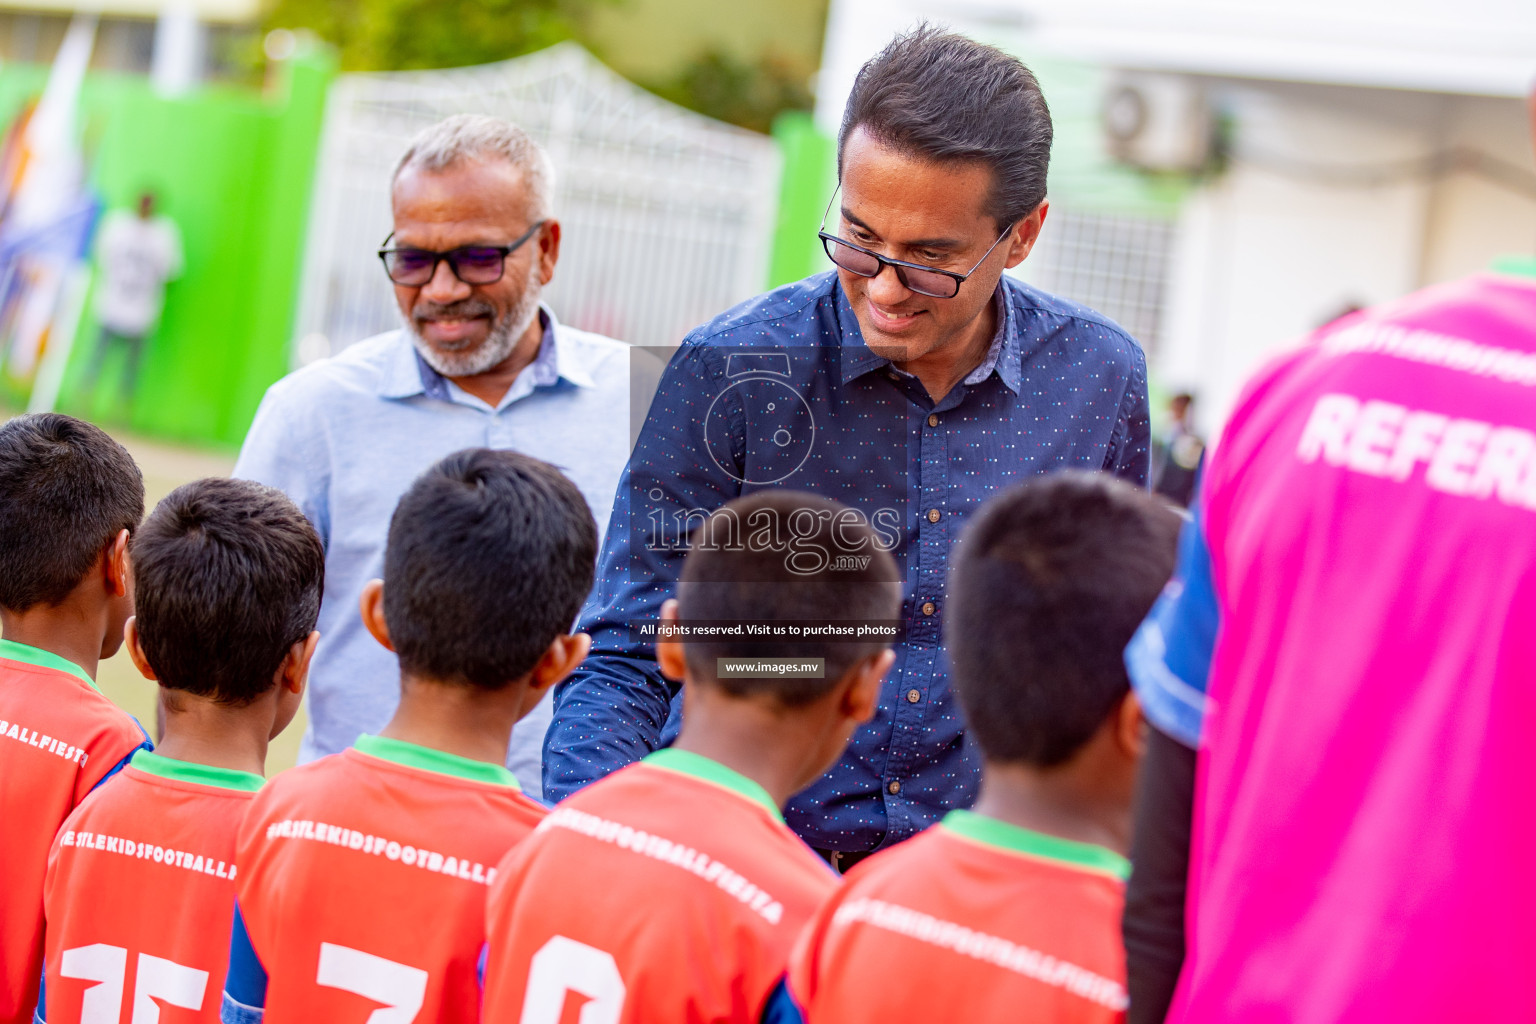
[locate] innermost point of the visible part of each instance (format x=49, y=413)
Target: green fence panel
x=810, y=175
x=234, y=169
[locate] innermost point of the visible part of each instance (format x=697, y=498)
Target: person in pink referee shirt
x=1350, y=647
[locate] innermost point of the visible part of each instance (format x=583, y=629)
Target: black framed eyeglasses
x=930, y=281
x=472, y=264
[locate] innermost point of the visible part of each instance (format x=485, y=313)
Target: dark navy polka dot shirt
x=781, y=392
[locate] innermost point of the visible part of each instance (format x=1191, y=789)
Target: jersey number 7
x=400, y=987
x=156, y=978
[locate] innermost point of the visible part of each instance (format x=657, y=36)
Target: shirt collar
x=987, y=831
x=408, y=374
x=414, y=755
x=1003, y=354
x=190, y=771
x=685, y=762
x=14, y=651
x=1516, y=266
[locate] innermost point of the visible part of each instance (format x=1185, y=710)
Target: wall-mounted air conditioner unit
x=1158, y=122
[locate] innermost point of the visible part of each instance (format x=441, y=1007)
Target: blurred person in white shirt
x=137, y=254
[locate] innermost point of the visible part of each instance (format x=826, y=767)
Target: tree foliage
x=397, y=35
x=747, y=94
x=394, y=35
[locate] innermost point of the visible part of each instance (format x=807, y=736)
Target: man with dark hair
x=373, y=863
x=70, y=496
x=703, y=888
x=1014, y=908
x=911, y=384
x=227, y=581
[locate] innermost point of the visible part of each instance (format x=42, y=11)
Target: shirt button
x=928, y=608
x=933, y=515
x=893, y=788
x=893, y=375
x=913, y=696
x=933, y=421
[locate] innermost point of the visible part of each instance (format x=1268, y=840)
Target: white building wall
x=1296, y=228
x=1335, y=196
x=1472, y=219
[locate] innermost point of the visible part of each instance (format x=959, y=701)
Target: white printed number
x=157, y=978
x=564, y=965
x=399, y=987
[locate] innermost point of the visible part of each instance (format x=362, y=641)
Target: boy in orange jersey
x=672, y=890
x=361, y=876
x=70, y=496
x=1012, y=911
x=227, y=582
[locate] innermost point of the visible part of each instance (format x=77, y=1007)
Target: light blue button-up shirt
x=345, y=437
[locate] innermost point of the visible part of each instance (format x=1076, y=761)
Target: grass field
x=165, y=468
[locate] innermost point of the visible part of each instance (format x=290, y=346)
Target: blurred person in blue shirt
x=910, y=384
x=479, y=362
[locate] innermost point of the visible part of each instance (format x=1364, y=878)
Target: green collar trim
x=44, y=659
x=191, y=771
x=1518, y=266
x=685, y=762
x=414, y=755
x=991, y=832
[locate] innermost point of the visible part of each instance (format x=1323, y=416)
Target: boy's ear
x=136, y=648
x=862, y=696
x=371, y=605
x=559, y=660
x=116, y=566
x=669, y=652
x=1130, y=727
x=294, y=671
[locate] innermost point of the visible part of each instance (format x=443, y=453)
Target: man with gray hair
x=479, y=362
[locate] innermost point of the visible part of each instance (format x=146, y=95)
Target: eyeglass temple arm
x=830, y=201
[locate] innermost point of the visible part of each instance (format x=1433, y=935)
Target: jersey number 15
x=155, y=978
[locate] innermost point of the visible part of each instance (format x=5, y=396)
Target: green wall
x=809, y=176
x=234, y=169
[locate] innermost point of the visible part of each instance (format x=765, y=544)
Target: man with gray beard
x=479, y=363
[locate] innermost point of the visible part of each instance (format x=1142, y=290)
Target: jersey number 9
x=564, y=965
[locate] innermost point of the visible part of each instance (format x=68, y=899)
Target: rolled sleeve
x=1169, y=657
x=245, y=985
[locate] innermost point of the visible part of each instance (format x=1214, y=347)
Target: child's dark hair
x=66, y=490
x=227, y=578
x=490, y=556
x=1048, y=583
x=818, y=562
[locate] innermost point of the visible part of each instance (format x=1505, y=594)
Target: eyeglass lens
x=471, y=264
x=924, y=282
